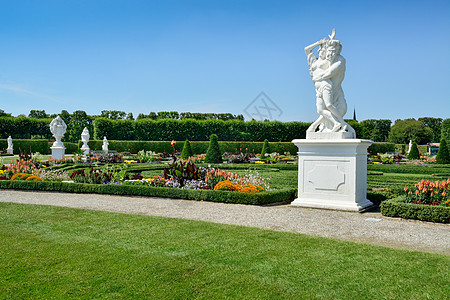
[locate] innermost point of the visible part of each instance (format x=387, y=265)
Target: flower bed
x=259, y=198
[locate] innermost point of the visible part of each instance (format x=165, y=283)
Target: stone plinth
x=332, y=174
x=9, y=150
x=58, y=152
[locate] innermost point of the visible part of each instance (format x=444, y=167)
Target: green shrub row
x=198, y=147
x=398, y=207
x=376, y=148
x=436, y=169
x=198, y=130
x=132, y=190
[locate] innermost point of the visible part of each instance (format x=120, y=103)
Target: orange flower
x=405, y=188
x=173, y=143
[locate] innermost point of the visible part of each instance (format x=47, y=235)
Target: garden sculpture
x=58, y=129
x=327, y=72
x=9, y=150
x=85, y=139
x=105, y=145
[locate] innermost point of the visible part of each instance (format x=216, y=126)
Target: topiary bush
x=443, y=156
x=414, y=153
x=213, y=154
x=265, y=149
x=187, y=150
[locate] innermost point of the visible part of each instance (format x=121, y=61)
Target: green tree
x=130, y=116
x=445, y=129
x=187, y=150
x=38, y=114
x=113, y=114
x=376, y=130
x=79, y=119
x=3, y=114
x=265, y=149
x=443, y=156
x=435, y=125
x=410, y=129
x=213, y=154
x=414, y=153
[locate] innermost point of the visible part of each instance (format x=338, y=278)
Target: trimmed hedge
x=198, y=147
x=133, y=190
x=41, y=146
x=397, y=207
x=198, y=130
x=376, y=148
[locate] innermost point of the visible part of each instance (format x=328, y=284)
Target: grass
x=50, y=252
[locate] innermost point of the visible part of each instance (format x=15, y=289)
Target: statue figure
x=10, y=148
x=409, y=146
x=327, y=72
x=105, y=145
x=85, y=139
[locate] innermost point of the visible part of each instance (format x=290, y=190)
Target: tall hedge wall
x=445, y=130
x=198, y=130
x=33, y=146
x=24, y=128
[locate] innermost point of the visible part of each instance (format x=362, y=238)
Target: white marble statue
x=105, y=145
x=58, y=129
x=85, y=139
x=10, y=148
x=328, y=72
x=409, y=146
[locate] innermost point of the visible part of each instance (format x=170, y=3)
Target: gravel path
x=369, y=227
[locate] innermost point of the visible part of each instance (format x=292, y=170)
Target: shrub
x=251, y=188
x=213, y=154
x=187, y=151
x=265, y=149
x=265, y=197
x=443, y=156
x=410, y=129
x=376, y=148
x=398, y=207
x=414, y=153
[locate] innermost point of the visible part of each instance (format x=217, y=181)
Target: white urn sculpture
x=58, y=129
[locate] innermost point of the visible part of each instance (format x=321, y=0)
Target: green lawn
x=49, y=252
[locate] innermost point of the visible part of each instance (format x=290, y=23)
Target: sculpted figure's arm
x=331, y=71
x=308, y=51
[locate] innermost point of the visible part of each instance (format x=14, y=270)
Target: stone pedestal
x=85, y=148
x=9, y=150
x=58, y=148
x=332, y=174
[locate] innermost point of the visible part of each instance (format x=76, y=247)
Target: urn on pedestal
x=58, y=129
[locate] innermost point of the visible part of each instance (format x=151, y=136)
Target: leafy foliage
x=187, y=151
x=435, y=125
x=414, y=153
x=376, y=130
x=443, y=157
x=213, y=154
x=410, y=129
x=265, y=149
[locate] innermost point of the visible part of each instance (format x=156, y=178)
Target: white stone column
x=332, y=174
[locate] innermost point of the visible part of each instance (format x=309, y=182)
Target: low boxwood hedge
x=132, y=190
x=397, y=207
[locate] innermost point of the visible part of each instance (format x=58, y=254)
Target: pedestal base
x=9, y=150
x=58, y=152
x=332, y=174
x=85, y=150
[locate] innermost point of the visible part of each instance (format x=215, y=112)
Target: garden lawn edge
x=260, y=198
x=397, y=207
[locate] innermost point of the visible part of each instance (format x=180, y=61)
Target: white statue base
x=85, y=149
x=9, y=150
x=332, y=174
x=58, y=151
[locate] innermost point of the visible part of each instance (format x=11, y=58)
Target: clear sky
x=218, y=56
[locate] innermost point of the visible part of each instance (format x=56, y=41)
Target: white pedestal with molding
x=332, y=174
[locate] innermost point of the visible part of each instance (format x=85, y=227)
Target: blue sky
x=217, y=56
